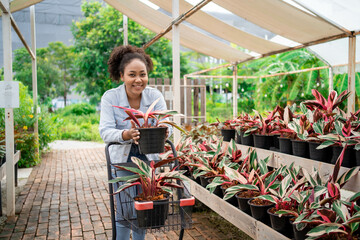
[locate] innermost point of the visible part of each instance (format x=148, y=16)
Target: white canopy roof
x=295, y=25
x=190, y=38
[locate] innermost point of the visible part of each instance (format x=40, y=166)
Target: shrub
x=24, y=129
x=79, y=109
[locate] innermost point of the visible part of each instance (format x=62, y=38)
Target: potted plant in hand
x=152, y=134
x=155, y=188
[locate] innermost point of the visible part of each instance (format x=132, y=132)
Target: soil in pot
x=152, y=140
x=232, y=200
x=242, y=200
x=349, y=156
x=259, y=209
x=285, y=145
x=300, y=148
x=248, y=141
x=238, y=137
x=262, y=141
x=280, y=224
x=322, y=155
x=228, y=134
x=156, y=217
x=299, y=235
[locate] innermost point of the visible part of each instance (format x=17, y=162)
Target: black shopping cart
x=173, y=213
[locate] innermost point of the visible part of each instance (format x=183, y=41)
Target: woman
x=131, y=65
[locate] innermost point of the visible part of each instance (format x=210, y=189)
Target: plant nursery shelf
x=246, y=223
x=325, y=169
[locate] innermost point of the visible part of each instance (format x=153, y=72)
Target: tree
x=47, y=74
x=55, y=70
x=63, y=57
x=95, y=37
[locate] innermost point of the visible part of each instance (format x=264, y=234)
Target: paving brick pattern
x=66, y=197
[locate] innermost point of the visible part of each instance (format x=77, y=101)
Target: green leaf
x=341, y=210
x=124, y=179
x=269, y=198
x=345, y=177
x=325, y=144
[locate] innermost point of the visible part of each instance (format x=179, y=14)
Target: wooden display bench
x=246, y=223
x=17, y=156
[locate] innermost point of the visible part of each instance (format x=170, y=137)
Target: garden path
x=66, y=197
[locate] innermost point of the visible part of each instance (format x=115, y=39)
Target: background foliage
x=97, y=34
x=55, y=70
x=77, y=122
x=24, y=129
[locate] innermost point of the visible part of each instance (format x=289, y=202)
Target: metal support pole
x=34, y=75
x=235, y=92
x=9, y=114
x=176, y=68
x=351, y=75
x=331, y=79
x=125, y=27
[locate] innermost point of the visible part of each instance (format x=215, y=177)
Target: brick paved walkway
x=66, y=198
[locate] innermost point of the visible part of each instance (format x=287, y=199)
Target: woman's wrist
x=125, y=135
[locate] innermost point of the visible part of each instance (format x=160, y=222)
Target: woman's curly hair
x=122, y=56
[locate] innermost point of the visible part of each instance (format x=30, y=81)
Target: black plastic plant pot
x=300, y=148
x=188, y=172
x=357, y=157
x=228, y=134
x=276, y=143
x=197, y=180
x=155, y=217
x=248, y=141
x=299, y=235
x=281, y=224
x=285, y=145
x=231, y=200
x=152, y=140
x=322, y=155
x=262, y=141
x=243, y=204
x=349, y=156
x=259, y=212
x=238, y=137
x=203, y=181
x=218, y=192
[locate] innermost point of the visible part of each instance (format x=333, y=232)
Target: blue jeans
x=127, y=209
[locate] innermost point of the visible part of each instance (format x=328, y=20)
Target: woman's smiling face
x=135, y=78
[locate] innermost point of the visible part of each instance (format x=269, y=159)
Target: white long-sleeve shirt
x=112, y=122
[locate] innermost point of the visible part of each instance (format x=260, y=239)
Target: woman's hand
x=167, y=129
x=132, y=133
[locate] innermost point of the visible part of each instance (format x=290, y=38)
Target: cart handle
x=187, y=202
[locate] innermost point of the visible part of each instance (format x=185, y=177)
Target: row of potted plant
x=284, y=197
x=319, y=131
